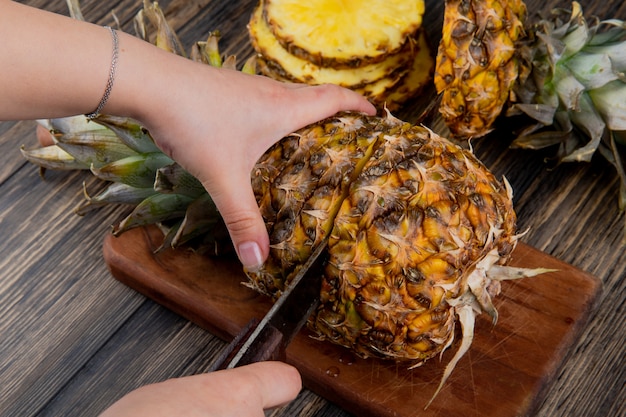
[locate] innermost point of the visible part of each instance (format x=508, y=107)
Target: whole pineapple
x=419, y=228
x=410, y=217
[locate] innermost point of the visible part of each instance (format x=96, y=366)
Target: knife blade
x=268, y=338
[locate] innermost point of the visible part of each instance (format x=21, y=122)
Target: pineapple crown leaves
x=573, y=84
x=164, y=37
x=574, y=69
x=206, y=51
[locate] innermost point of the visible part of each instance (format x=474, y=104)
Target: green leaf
x=610, y=100
x=592, y=70
x=52, y=157
x=130, y=133
x=588, y=120
x=155, y=209
x=173, y=179
x=71, y=124
x=97, y=148
x=115, y=193
x=138, y=170
x=567, y=87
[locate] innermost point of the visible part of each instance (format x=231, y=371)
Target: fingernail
x=250, y=256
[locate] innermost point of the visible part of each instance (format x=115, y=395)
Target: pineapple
x=303, y=71
x=476, y=63
x=419, y=229
x=414, y=222
x=344, y=33
x=386, y=59
x=566, y=75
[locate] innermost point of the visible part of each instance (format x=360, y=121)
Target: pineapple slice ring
x=343, y=33
x=291, y=67
x=420, y=73
x=391, y=91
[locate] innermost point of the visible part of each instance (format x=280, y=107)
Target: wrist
x=144, y=81
x=111, y=78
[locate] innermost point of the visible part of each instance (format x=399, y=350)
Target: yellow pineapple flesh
x=343, y=33
x=408, y=85
x=296, y=69
x=386, y=76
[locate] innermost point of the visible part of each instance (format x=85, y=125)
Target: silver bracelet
x=109, y=87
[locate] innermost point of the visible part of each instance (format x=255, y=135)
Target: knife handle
x=267, y=346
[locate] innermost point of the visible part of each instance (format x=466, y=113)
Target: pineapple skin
x=476, y=64
x=414, y=216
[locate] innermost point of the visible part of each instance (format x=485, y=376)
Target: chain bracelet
x=109, y=87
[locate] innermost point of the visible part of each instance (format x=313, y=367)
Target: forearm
x=52, y=65
x=55, y=66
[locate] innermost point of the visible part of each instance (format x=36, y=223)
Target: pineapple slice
x=418, y=76
x=294, y=68
x=375, y=91
x=343, y=33
x=391, y=91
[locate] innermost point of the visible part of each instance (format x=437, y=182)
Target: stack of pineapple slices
x=379, y=50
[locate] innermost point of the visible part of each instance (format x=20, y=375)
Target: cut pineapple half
x=343, y=33
x=293, y=68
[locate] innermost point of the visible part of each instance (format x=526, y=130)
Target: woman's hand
x=222, y=125
x=239, y=392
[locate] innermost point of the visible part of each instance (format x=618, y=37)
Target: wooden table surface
x=73, y=339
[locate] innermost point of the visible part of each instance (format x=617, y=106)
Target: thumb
x=237, y=205
x=272, y=383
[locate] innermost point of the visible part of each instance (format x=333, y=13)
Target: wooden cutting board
x=504, y=373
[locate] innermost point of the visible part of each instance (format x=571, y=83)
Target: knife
x=267, y=339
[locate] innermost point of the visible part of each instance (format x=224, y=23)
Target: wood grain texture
x=504, y=373
x=72, y=339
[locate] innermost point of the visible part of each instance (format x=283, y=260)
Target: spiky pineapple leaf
x=135, y=170
x=173, y=179
x=132, y=134
x=155, y=209
x=93, y=148
x=52, y=157
x=114, y=193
